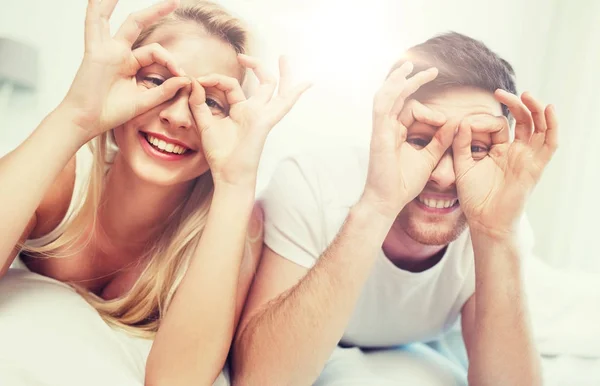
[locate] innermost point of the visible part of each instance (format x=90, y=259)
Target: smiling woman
x=164, y=238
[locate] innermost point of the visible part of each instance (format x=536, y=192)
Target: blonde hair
x=140, y=310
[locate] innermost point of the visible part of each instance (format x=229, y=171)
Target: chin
x=155, y=175
x=428, y=234
x=432, y=230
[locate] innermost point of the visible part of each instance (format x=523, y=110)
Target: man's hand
x=398, y=171
x=494, y=183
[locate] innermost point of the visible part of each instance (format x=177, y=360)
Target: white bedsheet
x=50, y=336
x=565, y=310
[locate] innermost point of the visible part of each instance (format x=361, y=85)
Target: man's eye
x=418, y=143
x=478, y=149
x=154, y=80
x=479, y=152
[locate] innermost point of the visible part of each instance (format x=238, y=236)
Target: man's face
x=435, y=217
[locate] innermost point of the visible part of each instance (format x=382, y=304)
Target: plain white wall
x=347, y=47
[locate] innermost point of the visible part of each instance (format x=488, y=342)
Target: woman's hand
x=104, y=93
x=233, y=144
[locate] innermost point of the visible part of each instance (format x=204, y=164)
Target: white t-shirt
x=305, y=205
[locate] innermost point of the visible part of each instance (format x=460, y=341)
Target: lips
x=165, y=146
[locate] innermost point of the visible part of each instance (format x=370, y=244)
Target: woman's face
x=163, y=145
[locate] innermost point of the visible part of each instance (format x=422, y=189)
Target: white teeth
x=438, y=204
x=164, y=146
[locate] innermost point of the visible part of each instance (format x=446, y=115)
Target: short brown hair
x=461, y=61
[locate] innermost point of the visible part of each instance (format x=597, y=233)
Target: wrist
x=240, y=178
x=498, y=261
x=242, y=193
x=378, y=207
x=69, y=121
x=59, y=125
x=373, y=213
x=495, y=234
x=488, y=239
x=368, y=225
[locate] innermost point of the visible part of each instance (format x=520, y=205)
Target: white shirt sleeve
x=294, y=217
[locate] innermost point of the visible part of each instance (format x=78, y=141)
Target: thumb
x=200, y=110
x=461, y=147
x=441, y=141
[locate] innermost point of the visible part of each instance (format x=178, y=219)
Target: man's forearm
x=503, y=351
x=291, y=339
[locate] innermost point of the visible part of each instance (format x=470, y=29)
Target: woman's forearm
x=194, y=338
x=27, y=172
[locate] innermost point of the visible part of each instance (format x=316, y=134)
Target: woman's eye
x=154, y=80
x=418, y=143
x=213, y=104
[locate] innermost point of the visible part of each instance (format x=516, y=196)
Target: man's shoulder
x=339, y=173
x=340, y=165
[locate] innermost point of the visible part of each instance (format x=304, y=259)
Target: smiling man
x=387, y=247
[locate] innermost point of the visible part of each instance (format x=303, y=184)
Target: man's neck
x=408, y=254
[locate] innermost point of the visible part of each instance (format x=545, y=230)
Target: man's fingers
x=442, y=140
x=524, y=121
x=411, y=86
x=416, y=111
x=388, y=92
x=461, y=147
x=551, y=138
x=497, y=127
x=539, y=120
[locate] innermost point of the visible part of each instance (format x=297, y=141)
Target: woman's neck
x=133, y=211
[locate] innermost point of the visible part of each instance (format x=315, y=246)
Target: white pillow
x=49, y=335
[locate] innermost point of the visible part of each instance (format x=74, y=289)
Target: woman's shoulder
x=56, y=201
